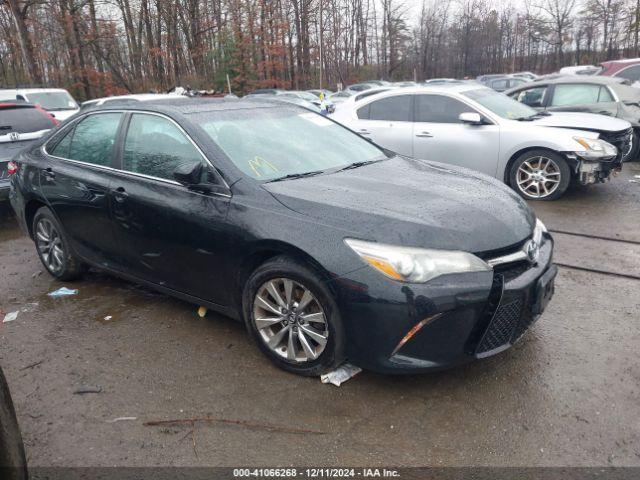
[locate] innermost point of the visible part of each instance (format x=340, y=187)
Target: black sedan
x=325, y=245
x=593, y=94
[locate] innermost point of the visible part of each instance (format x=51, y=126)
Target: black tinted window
x=631, y=73
x=24, y=120
x=397, y=109
x=93, y=139
x=439, y=109
x=156, y=147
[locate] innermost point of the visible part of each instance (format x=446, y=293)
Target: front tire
x=540, y=175
x=52, y=245
x=293, y=317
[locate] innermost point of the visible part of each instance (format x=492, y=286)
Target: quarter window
x=439, y=109
x=580, y=95
x=395, y=109
x=91, y=140
x=156, y=147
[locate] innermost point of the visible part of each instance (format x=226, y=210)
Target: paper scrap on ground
x=108, y=317
x=10, y=317
x=202, y=311
x=63, y=292
x=121, y=419
x=341, y=374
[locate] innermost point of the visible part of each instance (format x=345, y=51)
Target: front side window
x=155, y=146
x=576, y=94
x=532, y=97
x=91, y=140
x=499, y=84
x=269, y=143
x=439, y=109
x=393, y=109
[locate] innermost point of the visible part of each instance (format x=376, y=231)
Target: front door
x=75, y=181
x=439, y=135
x=169, y=234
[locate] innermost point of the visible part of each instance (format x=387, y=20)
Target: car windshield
x=52, y=100
x=500, y=104
x=271, y=143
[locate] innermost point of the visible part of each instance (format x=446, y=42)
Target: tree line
x=103, y=47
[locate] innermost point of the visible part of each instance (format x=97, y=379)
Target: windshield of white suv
x=52, y=100
x=500, y=104
x=274, y=143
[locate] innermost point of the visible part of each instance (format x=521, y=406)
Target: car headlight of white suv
x=595, y=149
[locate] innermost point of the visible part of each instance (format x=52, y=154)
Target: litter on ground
x=63, y=292
x=341, y=374
x=10, y=317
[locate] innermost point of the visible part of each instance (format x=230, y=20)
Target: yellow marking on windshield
x=259, y=162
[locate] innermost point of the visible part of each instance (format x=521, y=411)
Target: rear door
x=168, y=234
x=387, y=122
x=439, y=135
x=76, y=180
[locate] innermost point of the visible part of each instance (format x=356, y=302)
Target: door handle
x=120, y=195
x=364, y=132
x=424, y=135
x=48, y=173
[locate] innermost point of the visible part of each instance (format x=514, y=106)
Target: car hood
x=412, y=202
x=583, y=121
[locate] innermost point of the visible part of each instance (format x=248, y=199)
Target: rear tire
x=299, y=328
x=540, y=175
x=632, y=156
x=52, y=245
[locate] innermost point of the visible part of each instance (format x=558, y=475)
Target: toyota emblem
x=533, y=250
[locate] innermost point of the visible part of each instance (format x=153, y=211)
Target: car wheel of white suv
x=540, y=175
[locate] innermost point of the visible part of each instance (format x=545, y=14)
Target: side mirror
x=470, y=118
x=189, y=174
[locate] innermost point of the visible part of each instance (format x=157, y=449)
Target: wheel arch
x=30, y=209
x=507, y=171
x=264, y=251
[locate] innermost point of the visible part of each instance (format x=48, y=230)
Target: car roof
x=598, y=80
x=187, y=105
x=33, y=90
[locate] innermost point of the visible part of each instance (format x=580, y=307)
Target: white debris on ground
x=11, y=316
x=63, y=292
x=341, y=374
x=121, y=419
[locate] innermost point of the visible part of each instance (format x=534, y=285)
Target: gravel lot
x=566, y=395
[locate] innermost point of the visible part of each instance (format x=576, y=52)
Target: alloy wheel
x=538, y=177
x=290, y=320
x=49, y=244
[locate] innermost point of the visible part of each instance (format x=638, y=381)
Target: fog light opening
x=415, y=329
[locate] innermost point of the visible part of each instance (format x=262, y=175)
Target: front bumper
x=465, y=316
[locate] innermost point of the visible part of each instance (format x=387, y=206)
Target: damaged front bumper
x=588, y=172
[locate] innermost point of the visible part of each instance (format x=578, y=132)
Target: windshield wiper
x=358, y=164
x=296, y=175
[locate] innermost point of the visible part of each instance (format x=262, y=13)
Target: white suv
x=472, y=126
x=57, y=101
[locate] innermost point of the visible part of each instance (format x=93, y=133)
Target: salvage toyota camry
x=325, y=245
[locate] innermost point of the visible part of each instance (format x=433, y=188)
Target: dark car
x=20, y=125
x=325, y=245
x=13, y=463
x=594, y=94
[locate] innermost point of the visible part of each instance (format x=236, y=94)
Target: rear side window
x=395, y=109
x=24, y=120
x=499, y=84
x=156, y=147
x=576, y=94
x=439, y=109
x=91, y=140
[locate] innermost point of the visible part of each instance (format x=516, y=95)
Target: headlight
x=595, y=148
x=415, y=265
x=538, y=231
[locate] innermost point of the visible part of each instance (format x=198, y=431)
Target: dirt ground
x=566, y=395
